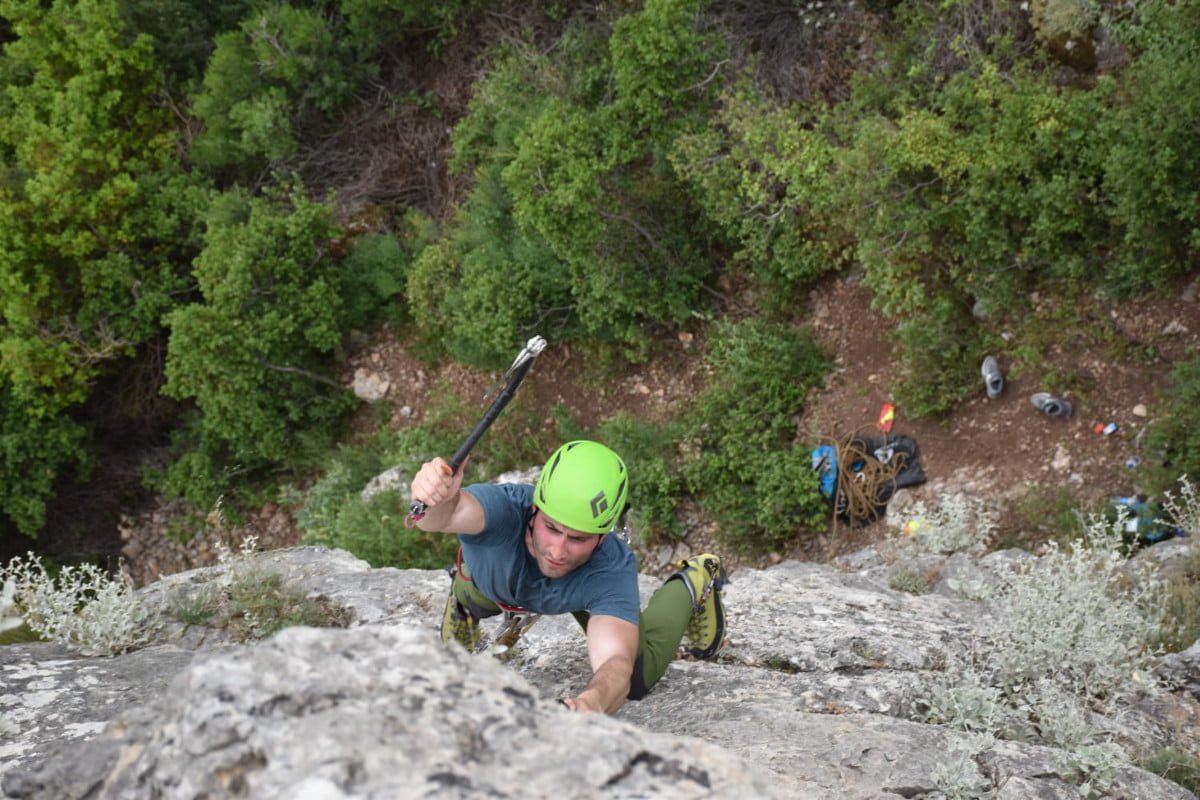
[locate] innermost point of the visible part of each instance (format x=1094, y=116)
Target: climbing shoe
x=704, y=577
x=458, y=625
x=1050, y=405
x=993, y=378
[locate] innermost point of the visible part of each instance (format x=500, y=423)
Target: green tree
x=1152, y=168
x=374, y=24
x=747, y=468
x=254, y=352
x=487, y=289
x=768, y=177
x=591, y=176
x=284, y=71
x=95, y=228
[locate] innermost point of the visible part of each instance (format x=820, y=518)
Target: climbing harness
x=517, y=620
x=515, y=624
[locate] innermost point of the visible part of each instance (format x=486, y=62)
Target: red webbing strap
x=462, y=573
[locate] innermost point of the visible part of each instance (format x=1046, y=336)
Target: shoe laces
x=696, y=623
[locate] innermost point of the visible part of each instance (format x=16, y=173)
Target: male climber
x=546, y=549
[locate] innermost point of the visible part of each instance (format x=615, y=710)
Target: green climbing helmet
x=584, y=486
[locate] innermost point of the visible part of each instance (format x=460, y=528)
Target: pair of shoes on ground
x=1048, y=404
x=704, y=577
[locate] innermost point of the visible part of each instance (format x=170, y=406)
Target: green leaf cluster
x=254, y=353
x=617, y=167
x=283, y=71
x=577, y=217
x=745, y=463
x=96, y=226
x=1173, y=439
x=767, y=175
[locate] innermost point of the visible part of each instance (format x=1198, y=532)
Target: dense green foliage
x=252, y=352
x=577, y=215
x=1173, y=441
x=749, y=469
x=280, y=73
x=605, y=175
x=97, y=223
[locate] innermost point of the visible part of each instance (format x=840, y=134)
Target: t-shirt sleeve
x=619, y=596
x=504, y=507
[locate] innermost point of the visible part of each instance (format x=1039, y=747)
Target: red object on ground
x=887, y=416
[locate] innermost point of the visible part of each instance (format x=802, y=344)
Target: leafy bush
x=374, y=24
x=1059, y=644
x=649, y=450
x=253, y=354
x=375, y=272
x=183, y=32
x=744, y=464
x=1152, y=167
x=767, y=176
x=374, y=530
x=576, y=218
x=1173, y=439
x=82, y=607
x=96, y=231
x=284, y=70
x=938, y=357
x=487, y=286
x=336, y=515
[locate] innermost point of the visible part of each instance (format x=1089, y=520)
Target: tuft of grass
x=1175, y=765
x=911, y=580
x=1042, y=514
x=254, y=605
x=1180, y=627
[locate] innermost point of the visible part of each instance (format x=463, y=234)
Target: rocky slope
x=813, y=699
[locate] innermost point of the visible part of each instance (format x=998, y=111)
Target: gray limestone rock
x=815, y=698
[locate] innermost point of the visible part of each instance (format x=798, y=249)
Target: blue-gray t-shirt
x=501, y=567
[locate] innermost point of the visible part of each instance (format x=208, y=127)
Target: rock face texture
x=813, y=699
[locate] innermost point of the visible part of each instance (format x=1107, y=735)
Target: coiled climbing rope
x=861, y=478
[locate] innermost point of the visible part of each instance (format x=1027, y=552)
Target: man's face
x=558, y=549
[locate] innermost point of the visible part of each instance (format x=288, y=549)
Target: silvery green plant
x=1064, y=642
x=1074, y=615
x=10, y=615
x=958, y=776
x=82, y=608
x=1183, y=508
x=959, y=524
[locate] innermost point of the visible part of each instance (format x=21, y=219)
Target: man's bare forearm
x=609, y=686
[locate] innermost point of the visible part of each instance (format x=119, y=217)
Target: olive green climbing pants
x=660, y=629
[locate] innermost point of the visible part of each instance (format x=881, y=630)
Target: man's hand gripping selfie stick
x=516, y=373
